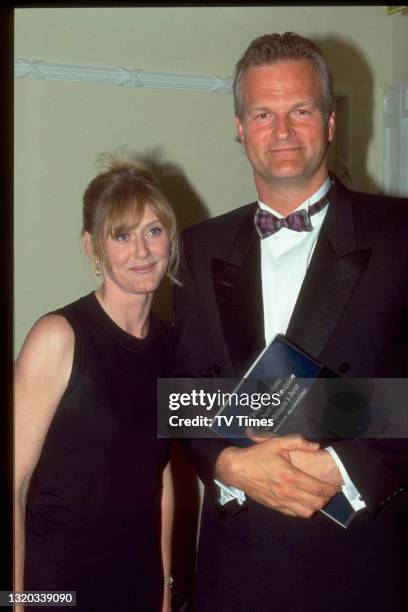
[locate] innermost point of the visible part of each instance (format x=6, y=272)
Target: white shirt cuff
x=349, y=490
x=226, y=494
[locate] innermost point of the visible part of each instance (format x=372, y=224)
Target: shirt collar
x=323, y=189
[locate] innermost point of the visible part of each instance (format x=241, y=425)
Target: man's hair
x=272, y=48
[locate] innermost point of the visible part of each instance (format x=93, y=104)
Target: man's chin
x=287, y=175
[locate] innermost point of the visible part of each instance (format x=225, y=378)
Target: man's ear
x=331, y=126
x=87, y=242
x=240, y=130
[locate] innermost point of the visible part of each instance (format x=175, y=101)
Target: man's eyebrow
x=306, y=101
x=258, y=107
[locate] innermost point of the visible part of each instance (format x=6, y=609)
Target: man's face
x=283, y=130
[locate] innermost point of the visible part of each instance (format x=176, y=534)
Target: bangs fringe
x=124, y=216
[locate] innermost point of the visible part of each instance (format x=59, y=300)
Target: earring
x=97, y=267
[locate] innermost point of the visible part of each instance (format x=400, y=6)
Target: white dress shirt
x=285, y=256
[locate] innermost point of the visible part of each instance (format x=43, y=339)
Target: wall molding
x=124, y=77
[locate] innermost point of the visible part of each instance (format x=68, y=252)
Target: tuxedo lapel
x=238, y=291
x=332, y=276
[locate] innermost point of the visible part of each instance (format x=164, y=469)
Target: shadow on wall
x=189, y=209
x=354, y=86
x=187, y=205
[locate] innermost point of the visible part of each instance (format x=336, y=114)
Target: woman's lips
x=143, y=269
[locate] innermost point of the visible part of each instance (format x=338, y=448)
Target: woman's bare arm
x=167, y=510
x=42, y=372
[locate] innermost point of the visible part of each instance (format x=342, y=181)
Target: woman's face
x=137, y=259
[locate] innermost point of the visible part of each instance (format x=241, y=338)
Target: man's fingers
x=302, y=505
x=291, y=489
x=300, y=510
x=264, y=471
x=314, y=486
x=271, y=501
x=286, y=511
x=285, y=442
x=308, y=501
x=295, y=485
x=309, y=492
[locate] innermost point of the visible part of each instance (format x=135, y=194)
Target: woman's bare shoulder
x=51, y=339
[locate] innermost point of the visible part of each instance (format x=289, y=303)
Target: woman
x=88, y=466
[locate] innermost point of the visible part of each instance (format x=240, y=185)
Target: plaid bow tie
x=266, y=223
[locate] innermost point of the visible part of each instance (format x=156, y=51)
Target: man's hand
x=319, y=464
x=265, y=473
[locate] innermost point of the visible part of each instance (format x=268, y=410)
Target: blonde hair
x=115, y=201
x=272, y=48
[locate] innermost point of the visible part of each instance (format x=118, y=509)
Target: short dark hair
x=272, y=48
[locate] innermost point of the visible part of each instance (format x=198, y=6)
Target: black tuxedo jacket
x=351, y=314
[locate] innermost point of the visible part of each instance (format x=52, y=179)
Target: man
x=339, y=290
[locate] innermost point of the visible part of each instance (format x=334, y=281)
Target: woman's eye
x=123, y=237
x=155, y=231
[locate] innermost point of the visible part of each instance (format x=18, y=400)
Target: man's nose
x=283, y=127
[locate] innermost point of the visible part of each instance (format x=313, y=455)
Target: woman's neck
x=129, y=311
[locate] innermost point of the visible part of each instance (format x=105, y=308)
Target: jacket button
x=344, y=367
x=216, y=369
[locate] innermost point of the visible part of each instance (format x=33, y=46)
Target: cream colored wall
x=61, y=127
x=400, y=47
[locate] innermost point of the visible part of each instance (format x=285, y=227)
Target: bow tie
x=266, y=223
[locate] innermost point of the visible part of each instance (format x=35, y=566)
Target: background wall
x=399, y=35
x=61, y=127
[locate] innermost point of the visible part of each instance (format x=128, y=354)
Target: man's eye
x=263, y=115
x=302, y=111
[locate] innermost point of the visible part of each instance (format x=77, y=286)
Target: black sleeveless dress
x=93, y=506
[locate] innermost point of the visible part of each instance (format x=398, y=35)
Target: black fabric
x=93, y=510
x=352, y=311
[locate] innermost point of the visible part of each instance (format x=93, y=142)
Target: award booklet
x=283, y=377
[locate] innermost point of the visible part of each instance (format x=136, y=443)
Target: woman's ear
x=87, y=242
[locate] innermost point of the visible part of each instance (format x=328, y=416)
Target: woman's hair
x=115, y=201
x=272, y=48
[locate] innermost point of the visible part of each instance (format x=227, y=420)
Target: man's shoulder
x=225, y=222
x=380, y=200
x=385, y=212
